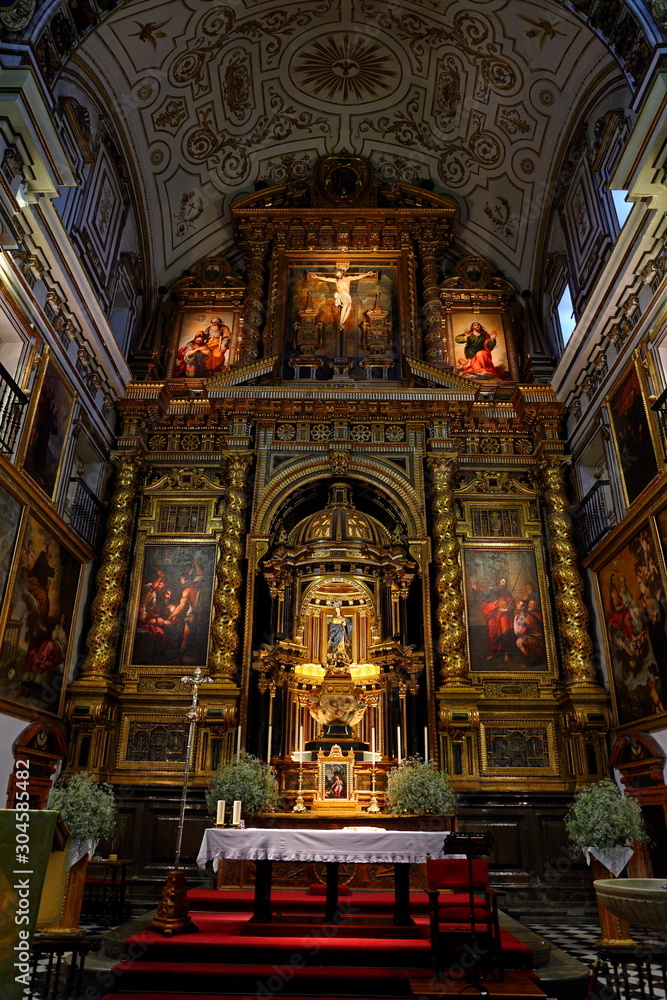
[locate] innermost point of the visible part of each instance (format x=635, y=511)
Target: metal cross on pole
x=172, y=915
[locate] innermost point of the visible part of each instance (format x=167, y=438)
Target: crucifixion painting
x=342, y=281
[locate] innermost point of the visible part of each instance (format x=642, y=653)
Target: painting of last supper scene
x=505, y=610
x=480, y=346
x=633, y=606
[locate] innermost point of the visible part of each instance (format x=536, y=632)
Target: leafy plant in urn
x=603, y=818
x=420, y=788
x=87, y=806
x=248, y=779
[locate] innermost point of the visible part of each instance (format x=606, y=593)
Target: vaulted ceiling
x=475, y=96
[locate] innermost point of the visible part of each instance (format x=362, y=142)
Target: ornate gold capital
x=102, y=638
x=450, y=611
x=226, y=605
x=568, y=584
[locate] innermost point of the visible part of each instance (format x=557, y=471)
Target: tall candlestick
x=373, y=741
x=236, y=812
x=268, y=745
x=238, y=744
x=301, y=739
x=398, y=742
x=220, y=813
x=426, y=744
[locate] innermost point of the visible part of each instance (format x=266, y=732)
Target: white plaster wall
x=9, y=730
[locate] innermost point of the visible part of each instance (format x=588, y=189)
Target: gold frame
x=636, y=364
x=281, y=261
x=519, y=722
x=622, y=539
x=13, y=563
x=524, y=544
x=345, y=758
x=166, y=716
x=144, y=541
x=16, y=708
x=26, y=434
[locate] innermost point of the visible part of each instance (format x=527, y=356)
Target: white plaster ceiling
x=213, y=96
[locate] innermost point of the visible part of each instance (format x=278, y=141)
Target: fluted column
x=450, y=611
x=102, y=638
x=253, y=303
x=226, y=604
x=568, y=584
x=430, y=249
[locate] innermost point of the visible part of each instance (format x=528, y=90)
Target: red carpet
x=293, y=956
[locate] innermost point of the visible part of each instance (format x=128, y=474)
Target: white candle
x=373, y=742
x=268, y=745
x=301, y=739
x=236, y=812
x=220, y=814
x=238, y=744
x=426, y=743
x=398, y=742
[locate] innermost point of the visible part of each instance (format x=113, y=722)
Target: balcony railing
x=86, y=513
x=12, y=404
x=593, y=516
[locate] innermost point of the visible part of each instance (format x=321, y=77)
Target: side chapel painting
x=208, y=343
x=480, y=346
x=50, y=429
x=632, y=435
x=10, y=519
x=633, y=609
x=174, y=602
x=505, y=612
x=342, y=293
x=39, y=625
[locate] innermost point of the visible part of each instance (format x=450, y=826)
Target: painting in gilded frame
x=480, y=345
x=632, y=434
x=49, y=430
x=173, y=605
x=632, y=602
x=342, y=292
x=208, y=342
x=10, y=521
x=38, y=630
x=506, y=614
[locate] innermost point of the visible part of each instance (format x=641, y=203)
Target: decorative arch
x=309, y=470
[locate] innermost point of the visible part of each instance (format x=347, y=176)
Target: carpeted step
x=285, y=901
x=258, y=979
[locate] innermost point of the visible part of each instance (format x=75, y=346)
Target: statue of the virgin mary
x=340, y=630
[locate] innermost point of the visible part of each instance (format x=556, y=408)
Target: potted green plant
x=602, y=825
x=420, y=788
x=248, y=780
x=88, y=808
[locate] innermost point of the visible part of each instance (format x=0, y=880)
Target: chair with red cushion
x=449, y=886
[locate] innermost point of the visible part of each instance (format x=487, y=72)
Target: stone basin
x=640, y=901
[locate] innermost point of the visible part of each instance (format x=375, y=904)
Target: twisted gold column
x=450, y=612
x=253, y=306
x=226, y=605
x=568, y=585
x=102, y=637
x=429, y=252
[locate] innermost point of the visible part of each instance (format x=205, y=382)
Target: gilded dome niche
x=339, y=523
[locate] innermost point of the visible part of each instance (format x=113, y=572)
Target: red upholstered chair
x=448, y=886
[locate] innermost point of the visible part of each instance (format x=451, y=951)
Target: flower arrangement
x=87, y=806
x=420, y=788
x=248, y=779
x=602, y=817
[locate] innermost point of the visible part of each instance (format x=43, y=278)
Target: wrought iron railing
x=593, y=516
x=659, y=407
x=86, y=513
x=12, y=404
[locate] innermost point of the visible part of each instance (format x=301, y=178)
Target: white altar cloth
x=352, y=846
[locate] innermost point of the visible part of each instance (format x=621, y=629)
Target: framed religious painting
x=38, y=629
x=171, y=604
x=353, y=307
x=49, y=422
x=631, y=595
x=206, y=332
x=508, y=618
x=634, y=432
x=11, y=513
x=478, y=328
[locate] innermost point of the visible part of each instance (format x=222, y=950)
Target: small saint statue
x=340, y=630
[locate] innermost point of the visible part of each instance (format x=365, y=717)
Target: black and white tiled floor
x=578, y=937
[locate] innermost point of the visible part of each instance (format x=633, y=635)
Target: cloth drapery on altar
x=352, y=846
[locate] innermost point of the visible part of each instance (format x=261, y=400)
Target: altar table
x=331, y=847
